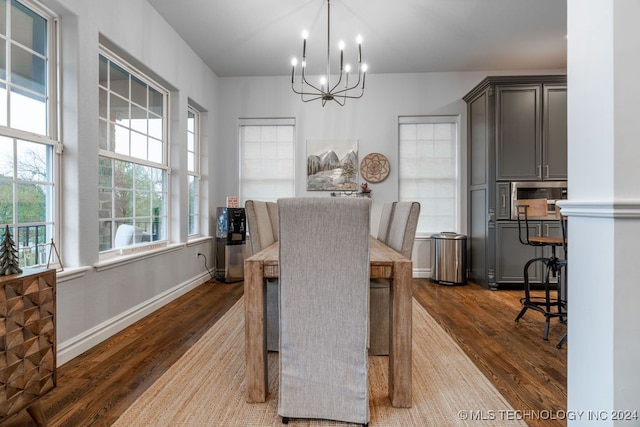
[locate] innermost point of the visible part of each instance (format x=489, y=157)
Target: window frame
x=195, y=216
x=50, y=139
x=113, y=156
x=423, y=231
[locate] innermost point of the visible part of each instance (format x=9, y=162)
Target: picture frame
x=332, y=165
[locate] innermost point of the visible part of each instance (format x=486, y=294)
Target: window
x=429, y=170
x=28, y=132
x=266, y=159
x=133, y=165
x=193, y=169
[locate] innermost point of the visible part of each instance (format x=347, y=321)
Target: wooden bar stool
x=550, y=306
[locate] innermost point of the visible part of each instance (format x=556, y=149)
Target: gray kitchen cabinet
x=516, y=131
x=531, y=132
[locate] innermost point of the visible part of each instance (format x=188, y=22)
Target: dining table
x=384, y=263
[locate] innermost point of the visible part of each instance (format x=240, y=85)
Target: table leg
x=400, y=356
x=255, y=331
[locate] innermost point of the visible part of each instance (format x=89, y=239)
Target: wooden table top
x=381, y=259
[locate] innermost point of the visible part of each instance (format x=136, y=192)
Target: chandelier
x=340, y=91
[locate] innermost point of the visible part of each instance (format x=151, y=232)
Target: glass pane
x=28, y=112
x=3, y=60
x=28, y=70
x=6, y=157
x=123, y=204
x=143, y=177
x=191, y=122
x=191, y=162
x=191, y=144
x=155, y=151
x=105, y=200
x=123, y=175
x=156, y=99
x=34, y=162
x=143, y=203
x=138, y=119
x=3, y=104
x=103, y=66
x=138, y=92
x=138, y=145
x=119, y=80
x=32, y=203
x=122, y=140
x=103, y=140
x=6, y=203
x=104, y=235
x=102, y=103
x=155, y=126
x=3, y=16
x=119, y=110
x=105, y=172
x=28, y=28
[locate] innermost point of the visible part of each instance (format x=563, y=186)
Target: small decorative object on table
x=9, y=263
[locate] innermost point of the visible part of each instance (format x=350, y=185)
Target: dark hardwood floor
x=97, y=386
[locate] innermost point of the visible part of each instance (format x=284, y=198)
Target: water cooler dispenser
x=231, y=235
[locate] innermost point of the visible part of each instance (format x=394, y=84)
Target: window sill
x=198, y=240
x=71, y=273
x=127, y=259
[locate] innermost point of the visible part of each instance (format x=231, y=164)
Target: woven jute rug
x=206, y=387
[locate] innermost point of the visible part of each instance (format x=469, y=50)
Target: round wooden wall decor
x=374, y=167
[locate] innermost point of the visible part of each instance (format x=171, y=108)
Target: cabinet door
x=503, y=210
x=519, y=143
x=511, y=255
x=554, y=142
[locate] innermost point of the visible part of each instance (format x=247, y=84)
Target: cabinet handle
x=504, y=201
x=546, y=171
x=540, y=171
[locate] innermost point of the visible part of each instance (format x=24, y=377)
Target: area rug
x=206, y=386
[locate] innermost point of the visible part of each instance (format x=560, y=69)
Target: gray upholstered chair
x=324, y=290
x=262, y=222
x=385, y=219
x=400, y=237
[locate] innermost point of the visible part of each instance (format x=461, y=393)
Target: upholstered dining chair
x=324, y=290
x=400, y=237
x=262, y=221
x=385, y=219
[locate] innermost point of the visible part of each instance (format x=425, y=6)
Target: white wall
x=603, y=210
x=373, y=120
x=95, y=303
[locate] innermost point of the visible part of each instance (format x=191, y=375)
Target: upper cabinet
x=531, y=132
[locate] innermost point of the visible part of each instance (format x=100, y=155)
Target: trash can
x=449, y=258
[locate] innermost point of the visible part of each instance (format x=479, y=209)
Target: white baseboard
x=422, y=273
x=88, y=339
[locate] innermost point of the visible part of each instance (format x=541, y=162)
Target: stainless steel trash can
x=449, y=258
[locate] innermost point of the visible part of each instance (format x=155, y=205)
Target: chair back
x=385, y=219
x=528, y=208
x=402, y=228
x=262, y=222
x=324, y=303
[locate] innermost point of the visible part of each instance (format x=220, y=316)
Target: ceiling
x=259, y=37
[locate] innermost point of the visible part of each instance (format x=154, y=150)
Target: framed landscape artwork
x=332, y=165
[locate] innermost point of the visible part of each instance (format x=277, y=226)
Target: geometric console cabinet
x=27, y=341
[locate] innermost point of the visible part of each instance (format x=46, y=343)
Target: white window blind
x=429, y=170
x=267, y=169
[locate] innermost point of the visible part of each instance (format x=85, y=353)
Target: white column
x=604, y=210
